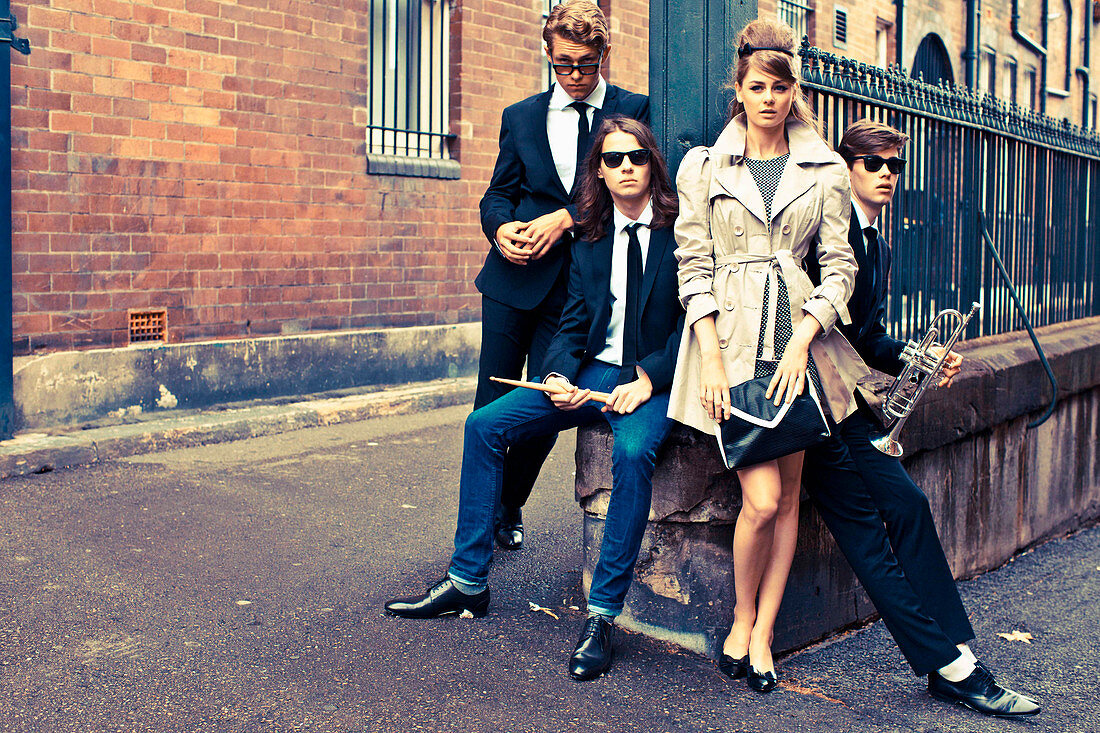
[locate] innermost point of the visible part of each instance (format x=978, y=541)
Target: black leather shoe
x=593, y=654
x=762, y=682
x=441, y=599
x=509, y=528
x=980, y=692
x=733, y=668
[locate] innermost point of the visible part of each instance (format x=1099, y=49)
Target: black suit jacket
x=867, y=306
x=525, y=185
x=583, y=330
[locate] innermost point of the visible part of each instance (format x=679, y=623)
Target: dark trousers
x=882, y=523
x=509, y=337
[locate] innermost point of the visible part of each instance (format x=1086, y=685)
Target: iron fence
x=408, y=78
x=1031, y=181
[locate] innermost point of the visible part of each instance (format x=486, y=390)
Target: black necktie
x=633, y=289
x=583, y=139
x=870, y=236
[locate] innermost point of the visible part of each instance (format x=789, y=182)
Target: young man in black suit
x=880, y=519
x=619, y=334
x=527, y=215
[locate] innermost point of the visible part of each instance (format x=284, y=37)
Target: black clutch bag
x=759, y=431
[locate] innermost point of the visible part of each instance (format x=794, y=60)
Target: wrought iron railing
x=408, y=78
x=1032, y=181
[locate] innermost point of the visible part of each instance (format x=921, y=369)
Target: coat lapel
x=659, y=241
x=599, y=285
x=537, y=123
x=792, y=184
x=737, y=181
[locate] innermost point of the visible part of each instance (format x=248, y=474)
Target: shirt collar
x=861, y=216
x=560, y=99
x=622, y=220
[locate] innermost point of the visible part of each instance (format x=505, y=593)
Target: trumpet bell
x=889, y=446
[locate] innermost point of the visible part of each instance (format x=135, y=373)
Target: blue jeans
x=524, y=414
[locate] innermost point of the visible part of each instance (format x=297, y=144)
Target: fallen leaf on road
x=407, y=506
x=465, y=613
x=1017, y=636
x=244, y=603
x=547, y=611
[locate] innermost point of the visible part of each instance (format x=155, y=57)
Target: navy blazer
x=582, y=333
x=525, y=185
x=867, y=306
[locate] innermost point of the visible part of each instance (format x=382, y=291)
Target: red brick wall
x=208, y=156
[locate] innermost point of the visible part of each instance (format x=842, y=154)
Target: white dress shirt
x=561, y=128
x=613, y=350
x=861, y=217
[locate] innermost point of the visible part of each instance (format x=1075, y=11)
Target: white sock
x=965, y=651
x=958, y=670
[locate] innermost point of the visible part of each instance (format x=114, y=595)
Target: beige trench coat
x=727, y=253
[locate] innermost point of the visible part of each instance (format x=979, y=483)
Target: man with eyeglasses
x=527, y=214
x=880, y=519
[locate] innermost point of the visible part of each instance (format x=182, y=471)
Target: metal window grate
x=408, y=76
x=148, y=325
x=797, y=16
x=840, y=28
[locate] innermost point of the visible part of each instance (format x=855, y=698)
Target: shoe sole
x=968, y=706
x=476, y=613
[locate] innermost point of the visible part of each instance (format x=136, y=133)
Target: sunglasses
x=637, y=157
x=585, y=69
x=874, y=162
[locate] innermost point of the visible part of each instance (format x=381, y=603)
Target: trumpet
x=920, y=367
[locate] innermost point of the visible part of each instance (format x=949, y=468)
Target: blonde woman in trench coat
x=732, y=247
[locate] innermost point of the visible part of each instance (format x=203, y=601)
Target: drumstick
x=603, y=397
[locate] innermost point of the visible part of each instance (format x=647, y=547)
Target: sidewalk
x=39, y=452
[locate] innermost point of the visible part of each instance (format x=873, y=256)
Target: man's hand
x=570, y=398
x=512, y=243
x=546, y=231
x=626, y=398
x=951, y=365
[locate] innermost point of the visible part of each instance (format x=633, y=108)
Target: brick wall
x=208, y=156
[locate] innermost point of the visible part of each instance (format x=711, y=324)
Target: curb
x=30, y=452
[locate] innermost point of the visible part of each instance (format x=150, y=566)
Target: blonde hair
x=770, y=34
x=579, y=21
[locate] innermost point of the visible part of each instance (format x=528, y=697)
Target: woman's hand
x=714, y=387
x=789, y=379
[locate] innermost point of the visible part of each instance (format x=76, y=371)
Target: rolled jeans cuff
x=469, y=585
x=603, y=611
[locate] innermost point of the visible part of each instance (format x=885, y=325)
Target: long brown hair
x=596, y=208
x=770, y=34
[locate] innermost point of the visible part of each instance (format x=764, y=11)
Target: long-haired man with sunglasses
x=880, y=519
x=527, y=214
x=619, y=336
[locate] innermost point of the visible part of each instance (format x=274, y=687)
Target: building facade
x=201, y=169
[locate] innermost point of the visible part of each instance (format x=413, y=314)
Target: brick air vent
x=840, y=28
x=148, y=325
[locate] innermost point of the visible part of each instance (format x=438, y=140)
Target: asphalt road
x=239, y=587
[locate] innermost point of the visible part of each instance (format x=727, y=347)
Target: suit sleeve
x=566, y=350
x=498, y=205
x=878, y=348
x=828, y=302
x=660, y=366
x=694, y=246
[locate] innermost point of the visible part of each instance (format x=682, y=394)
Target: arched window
x=932, y=62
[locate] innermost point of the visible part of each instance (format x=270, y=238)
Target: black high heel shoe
x=733, y=668
x=762, y=682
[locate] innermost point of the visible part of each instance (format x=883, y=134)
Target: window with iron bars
x=797, y=16
x=548, y=5
x=408, y=128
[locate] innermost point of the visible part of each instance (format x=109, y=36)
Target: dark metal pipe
x=899, y=23
x=973, y=41
x=1039, y=49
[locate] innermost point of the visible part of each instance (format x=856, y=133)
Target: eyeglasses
x=614, y=158
x=585, y=69
x=874, y=162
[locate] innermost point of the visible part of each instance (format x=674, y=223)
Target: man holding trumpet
x=880, y=519
x=616, y=344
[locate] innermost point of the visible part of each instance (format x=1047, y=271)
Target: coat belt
x=798, y=285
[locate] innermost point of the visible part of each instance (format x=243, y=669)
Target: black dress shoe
x=980, y=692
x=509, y=528
x=762, y=681
x=592, y=656
x=733, y=668
x=441, y=599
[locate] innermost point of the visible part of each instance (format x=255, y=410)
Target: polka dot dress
x=767, y=173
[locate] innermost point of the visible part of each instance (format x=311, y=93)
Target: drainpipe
x=7, y=393
x=1084, y=69
x=973, y=39
x=1038, y=49
x=899, y=35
